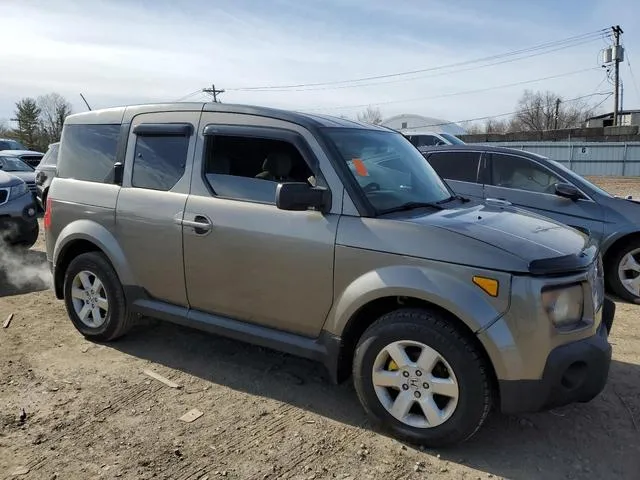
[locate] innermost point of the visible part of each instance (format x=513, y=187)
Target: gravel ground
x=72, y=409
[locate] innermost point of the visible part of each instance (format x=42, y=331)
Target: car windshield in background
x=11, y=164
x=574, y=176
x=388, y=168
x=11, y=145
x=453, y=139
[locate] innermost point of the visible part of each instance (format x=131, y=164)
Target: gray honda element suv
x=290, y=231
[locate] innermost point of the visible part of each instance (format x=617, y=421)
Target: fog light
x=31, y=211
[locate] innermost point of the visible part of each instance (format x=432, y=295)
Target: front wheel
x=421, y=378
x=623, y=272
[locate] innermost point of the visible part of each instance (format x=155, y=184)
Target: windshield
x=12, y=164
x=453, y=139
x=11, y=145
x=574, y=176
x=388, y=168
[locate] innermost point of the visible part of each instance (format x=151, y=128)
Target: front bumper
x=574, y=372
x=16, y=225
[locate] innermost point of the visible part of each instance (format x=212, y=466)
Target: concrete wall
x=597, y=134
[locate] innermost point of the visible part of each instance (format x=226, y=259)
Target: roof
x=19, y=152
x=477, y=148
x=125, y=113
x=610, y=114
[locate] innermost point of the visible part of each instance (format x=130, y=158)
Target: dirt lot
x=91, y=412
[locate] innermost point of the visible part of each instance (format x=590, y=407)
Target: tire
x=614, y=280
x=30, y=238
x=109, y=323
x=460, y=419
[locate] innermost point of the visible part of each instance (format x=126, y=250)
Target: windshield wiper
x=454, y=197
x=411, y=206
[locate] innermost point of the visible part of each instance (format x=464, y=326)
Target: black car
x=544, y=186
x=45, y=172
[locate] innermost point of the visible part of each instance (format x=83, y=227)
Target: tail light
x=47, y=214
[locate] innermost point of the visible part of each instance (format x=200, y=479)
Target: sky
x=119, y=52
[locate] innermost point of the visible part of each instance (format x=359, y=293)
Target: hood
x=539, y=241
x=29, y=177
x=481, y=235
x=7, y=179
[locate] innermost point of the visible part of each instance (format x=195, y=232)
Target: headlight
x=564, y=304
x=18, y=190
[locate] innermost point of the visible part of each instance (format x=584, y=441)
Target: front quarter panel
x=362, y=276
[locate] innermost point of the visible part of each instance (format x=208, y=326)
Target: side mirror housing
x=118, y=173
x=300, y=196
x=568, y=191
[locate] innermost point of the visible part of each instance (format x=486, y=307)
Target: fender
x=101, y=237
x=609, y=240
x=447, y=286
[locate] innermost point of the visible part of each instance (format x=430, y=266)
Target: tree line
x=535, y=111
x=38, y=121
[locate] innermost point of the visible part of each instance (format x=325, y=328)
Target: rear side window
x=88, y=152
x=460, y=166
x=159, y=161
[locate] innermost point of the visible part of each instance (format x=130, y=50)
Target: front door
x=530, y=185
x=244, y=258
x=461, y=170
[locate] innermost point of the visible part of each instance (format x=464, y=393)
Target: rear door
x=461, y=170
x=529, y=184
x=152, y=199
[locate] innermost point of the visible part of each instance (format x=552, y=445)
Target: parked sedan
x=30, y=157
x=17, y=168
x=546, y=187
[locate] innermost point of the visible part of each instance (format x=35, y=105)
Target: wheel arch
x=613, y=245
x=368, y=313
x=86, y=236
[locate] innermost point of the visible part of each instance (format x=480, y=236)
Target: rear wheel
x=623, y=272
x=421, y=378
x=94, y=298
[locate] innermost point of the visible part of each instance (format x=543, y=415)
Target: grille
x=32, y=187
x=4, y=194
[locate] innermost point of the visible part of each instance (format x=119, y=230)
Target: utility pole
x=555, y=121
x=617, y=58
x=213, y=92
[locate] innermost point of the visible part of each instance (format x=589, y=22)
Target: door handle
x=201, y=224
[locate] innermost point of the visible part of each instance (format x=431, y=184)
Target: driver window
x=510, y=171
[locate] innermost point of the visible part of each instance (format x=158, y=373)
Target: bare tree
x=54, y=108
x=539, y=111
x=5, y=131
x=371, y=115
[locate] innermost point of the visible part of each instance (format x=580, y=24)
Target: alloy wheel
x=90, y=300
x=415, y=384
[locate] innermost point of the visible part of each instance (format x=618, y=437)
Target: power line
x=213, y=92
x=498, y=115
x=604, y=100
x=465, y=92
x=188, y=95
x=420, y=77
x=633, y=77
x=586, y=37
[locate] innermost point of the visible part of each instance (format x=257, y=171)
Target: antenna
x=85, y=102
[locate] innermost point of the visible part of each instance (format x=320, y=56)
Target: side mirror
x=301, y=196
x=118, y=173
x=568, y=191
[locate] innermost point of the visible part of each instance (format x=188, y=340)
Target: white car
x=430, y=139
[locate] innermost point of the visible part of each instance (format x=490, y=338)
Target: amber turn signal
x=489, y=285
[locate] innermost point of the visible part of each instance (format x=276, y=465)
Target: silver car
x=546, y=187
x=286, y=230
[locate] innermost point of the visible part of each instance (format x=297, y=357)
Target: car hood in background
x=29, y=177
x=7, y=179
